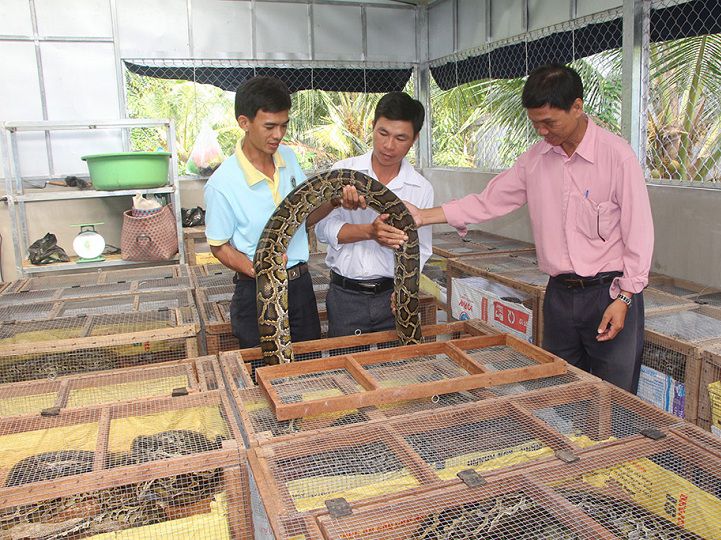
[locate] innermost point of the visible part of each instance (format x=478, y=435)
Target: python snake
x=121, y=507
x=272, y=276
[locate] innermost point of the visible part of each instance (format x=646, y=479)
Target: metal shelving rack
x=17, y=198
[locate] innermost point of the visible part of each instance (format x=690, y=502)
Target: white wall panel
x=440, y=24
x=222, y=29
x=20, y=101
x=587, y=7
x=506, y=20
x=153, y=28
x=391, y=34
x=80, y=80
x=70, y=146
x=75, y=18
x=80, y=84
x=282, y=30
x=337, y=32
x=543, y=13
x=15, y=19
x=20, y=90
x=471, y=24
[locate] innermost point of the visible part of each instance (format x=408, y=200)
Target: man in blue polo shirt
x=240, y=197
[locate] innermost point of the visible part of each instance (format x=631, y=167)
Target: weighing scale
x=89, y=244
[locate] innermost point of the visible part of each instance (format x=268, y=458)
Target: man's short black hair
x=401, y=106
x=261, y=94
x=555, y=85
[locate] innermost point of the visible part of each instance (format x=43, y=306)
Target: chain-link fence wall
x=478, y=119
x=683, y=116
x=327, y=123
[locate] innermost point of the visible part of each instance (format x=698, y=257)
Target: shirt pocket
x=596, y=220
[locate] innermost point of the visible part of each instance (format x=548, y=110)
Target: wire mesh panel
x=682, y=100
x=655, y=301
x=49, y=349
x=667, y=488
x=476, y=242
x=159, y=380
x=93, y=284
x=357, y=463
x=591, y=414
x=319, y=272
x=677, y=286
x=171, y=466
x=647, y=489
x=125, y=303
x=483, y=436
x=509, y=509
x=671, y=365
x=388, y=376
x=709, y=399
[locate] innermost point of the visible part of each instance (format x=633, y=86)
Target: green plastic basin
x=128, y=170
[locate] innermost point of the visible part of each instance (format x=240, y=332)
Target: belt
x=294, y=272
x=371, y=286
x=574, y=281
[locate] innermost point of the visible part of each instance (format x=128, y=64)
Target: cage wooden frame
x=667, y=283
x=132, y=303
x=230, y=459
x=180, y=336
x=690, y=350
x=710, y=373
x=236, y=367
x=373, y=394
x=202, y=373
x=193, y=238
x=388, y=516
x=479, y=243
x=134, y=277
x=264, y=459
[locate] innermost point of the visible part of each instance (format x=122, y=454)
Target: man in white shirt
x=360, y=243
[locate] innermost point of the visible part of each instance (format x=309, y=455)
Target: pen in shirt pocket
x=586, y=194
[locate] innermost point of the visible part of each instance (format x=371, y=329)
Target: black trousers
x=302, y=311
x=353, y=312
x=570, y=325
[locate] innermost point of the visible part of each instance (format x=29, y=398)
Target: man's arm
x=233, y=259
x=637, y=233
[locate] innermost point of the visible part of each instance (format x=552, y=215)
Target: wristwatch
x=623, y=298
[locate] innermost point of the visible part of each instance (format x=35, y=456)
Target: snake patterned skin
x=272, y=277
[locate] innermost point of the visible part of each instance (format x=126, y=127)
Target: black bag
x=192, y=217
x=46, y=251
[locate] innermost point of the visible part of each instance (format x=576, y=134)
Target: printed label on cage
x=653, y=387
x=512, y=318
x=677, y=393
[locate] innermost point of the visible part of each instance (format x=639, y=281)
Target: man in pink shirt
x=592, y=226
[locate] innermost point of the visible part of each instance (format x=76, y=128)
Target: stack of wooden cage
x=673, y=345
x=214, y=290
x=151, y=451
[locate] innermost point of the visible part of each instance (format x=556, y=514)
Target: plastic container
x=128, y=170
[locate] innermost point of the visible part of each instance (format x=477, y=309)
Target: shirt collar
x=365, y=164
x=253, y=175
x=585, y=149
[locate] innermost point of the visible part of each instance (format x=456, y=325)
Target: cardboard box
x=506, y=309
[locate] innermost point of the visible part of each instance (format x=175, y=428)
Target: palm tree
x=684, y=121
x=484, y=124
